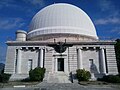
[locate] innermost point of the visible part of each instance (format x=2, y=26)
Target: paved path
x=72, y=86
x=66, y=86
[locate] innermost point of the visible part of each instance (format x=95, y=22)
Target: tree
x=117, y=51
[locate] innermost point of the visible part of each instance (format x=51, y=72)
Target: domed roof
x=61, y=18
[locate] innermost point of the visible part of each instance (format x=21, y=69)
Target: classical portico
x=19, y=58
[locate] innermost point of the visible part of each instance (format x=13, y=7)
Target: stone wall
x=90, y=53
x=10, y=60
x=111, y=60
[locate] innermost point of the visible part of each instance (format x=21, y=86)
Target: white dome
x=61, y=18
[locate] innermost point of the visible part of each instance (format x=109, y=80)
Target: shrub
x=37, y=74
x=83, y=75
x=118, y=75
x=110, y=78
x=4, y=77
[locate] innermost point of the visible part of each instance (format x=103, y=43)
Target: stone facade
x=98, y=57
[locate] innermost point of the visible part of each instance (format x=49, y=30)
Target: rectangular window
x=29, y=64
x=91, y=61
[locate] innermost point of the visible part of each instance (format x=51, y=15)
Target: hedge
x=37, y=74
x=83, y=75
x=4, y=77
x=110, y=78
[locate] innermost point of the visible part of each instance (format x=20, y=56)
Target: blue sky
x=17, y=14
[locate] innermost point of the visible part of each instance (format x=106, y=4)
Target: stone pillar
x=79, y=59
x=19, y=61
x=53, y=62
x=41, y=58
x=38, y=57
x=56, y=65
x=65, y=65
x=103, y=64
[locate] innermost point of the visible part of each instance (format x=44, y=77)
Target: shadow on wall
x=94, y=70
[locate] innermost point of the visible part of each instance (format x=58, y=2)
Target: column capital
x=19, y=48
x=34, y=48
x=94, y=47
x=40, y=48
x=102, y=47
x=79, y=48
x=26, y=48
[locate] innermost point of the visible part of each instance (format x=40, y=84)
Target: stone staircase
x=58, y=77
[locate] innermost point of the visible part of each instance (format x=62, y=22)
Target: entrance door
x=60, y=64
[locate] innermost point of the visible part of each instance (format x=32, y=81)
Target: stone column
x=19, y=61
x=56, y=65
x=53, y=62
x=38, y=57
x=103, y=64
x=41, y=58
x=79, y=59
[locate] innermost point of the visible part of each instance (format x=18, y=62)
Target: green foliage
x=117, y=51
x=83, y=75
x=110, y=79
x=37, y=74
x=4, y=77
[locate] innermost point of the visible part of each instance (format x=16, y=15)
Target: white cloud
x=105, y=21
x=7, y=3
x=27, y=4
x=116, y=30
x=35, y=2
x=108, y=6
x=113, y=14
x=111, y=33
x=10, y=23
x=39, y=2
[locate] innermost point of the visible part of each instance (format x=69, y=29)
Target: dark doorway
x=60, y=64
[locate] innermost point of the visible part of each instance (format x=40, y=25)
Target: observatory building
x=61, y=38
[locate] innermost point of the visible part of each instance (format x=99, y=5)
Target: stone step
x=59, y=77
